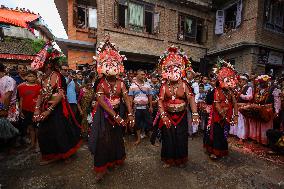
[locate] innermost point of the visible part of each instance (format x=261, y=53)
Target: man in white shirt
x=246, y=95
x=141, y=99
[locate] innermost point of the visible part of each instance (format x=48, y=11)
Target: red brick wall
x=265, y=36
x=73, y=32
x=246, y=31
x=142, y=43
x=79, y=57
x=251, y=30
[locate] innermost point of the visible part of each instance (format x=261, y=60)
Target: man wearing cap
x=245, y=96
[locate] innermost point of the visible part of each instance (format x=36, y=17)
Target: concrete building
x=142, y=29
x=19, y=28
x=250, y=34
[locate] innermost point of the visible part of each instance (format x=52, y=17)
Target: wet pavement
x=245, y=168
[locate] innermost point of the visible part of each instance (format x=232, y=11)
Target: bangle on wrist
x=130, y=114
x=50, y=108
x=195, y=114
x=116, y=116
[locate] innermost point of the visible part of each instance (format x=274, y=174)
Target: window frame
x=86, y=9
x=182, y=35
x=269, y=20
x=147, y=7
x=134, y=27
x=225, y=16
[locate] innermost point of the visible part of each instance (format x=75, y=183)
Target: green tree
x=37, y=44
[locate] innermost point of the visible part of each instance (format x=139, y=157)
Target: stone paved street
x=143, y=169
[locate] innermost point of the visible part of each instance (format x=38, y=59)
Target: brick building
x=250, y=33
x=142, y=29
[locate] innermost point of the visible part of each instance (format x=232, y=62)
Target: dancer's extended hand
x=195, y=120
x=120, y=121
x=131, y=121
x=167, y=121
x=44, y=115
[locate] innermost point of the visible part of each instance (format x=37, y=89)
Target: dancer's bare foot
x=99, y=176
x=213, y=157
x=67, y=161
x=182, y=165
x=46, y=162
x=156, y=145
x=11, y=151
x=241, y=142
x=166, y=165
x=137, y=142
x=2, y=157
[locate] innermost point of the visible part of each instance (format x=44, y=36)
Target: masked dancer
x=263, y=108
x=224, y=111
x=106, y=139
x=174, y=97
x=59, y=131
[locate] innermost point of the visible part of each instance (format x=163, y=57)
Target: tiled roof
x=17, y=18
x=16, y=46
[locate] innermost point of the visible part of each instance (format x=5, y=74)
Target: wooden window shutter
x=204, y=34
x=239, y=13
x=115, y=13
x=92, y=18
x=180, y=32
x=156, y=28
x=220, y=18
x=75, y=14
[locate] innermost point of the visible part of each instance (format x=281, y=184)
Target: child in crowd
x=28, y=93
x=85, y=99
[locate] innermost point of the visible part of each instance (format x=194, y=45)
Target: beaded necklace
x=226, y=96
x=173, y=90
x=47, y=90
x=111, y=92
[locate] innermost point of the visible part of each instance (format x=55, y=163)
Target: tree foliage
x=37, y=44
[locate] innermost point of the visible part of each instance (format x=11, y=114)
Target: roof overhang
x=193, y=3
x=62, y=7
x=46, y=31
x=239, y=46
x=66, y=44
x=137, y=57
x=40, y=25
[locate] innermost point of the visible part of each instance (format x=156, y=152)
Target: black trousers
x=143, y=119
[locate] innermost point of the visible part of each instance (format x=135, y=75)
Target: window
x=229, y=18
x=274, y=15
x=85, y=14
x=137, y=16
x=191, y=29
